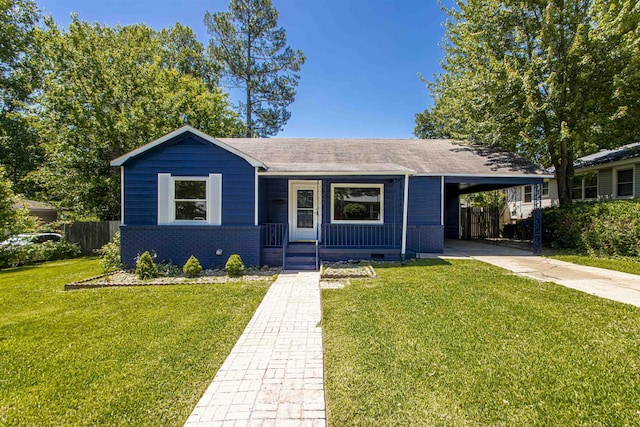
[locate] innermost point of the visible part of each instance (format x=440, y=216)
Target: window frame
x=173, y=200
x=583, y=187
x=530, y=193
x=545, y=185
x=357, y=185
x=166, y=211
x=616, y=182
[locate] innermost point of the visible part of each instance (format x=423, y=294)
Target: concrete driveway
x=614, y=285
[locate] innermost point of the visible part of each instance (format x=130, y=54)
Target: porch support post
x=121, y=195
x=403, y=251
x=537, y=219
x=442, y=200
x=255, y=202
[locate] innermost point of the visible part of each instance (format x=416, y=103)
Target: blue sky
x=360, y=79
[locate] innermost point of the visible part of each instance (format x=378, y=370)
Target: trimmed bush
x=192, y=267
x=234, y=266
x=110, y=255
x=145, y=267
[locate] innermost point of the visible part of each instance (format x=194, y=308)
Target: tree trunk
x=564, y=178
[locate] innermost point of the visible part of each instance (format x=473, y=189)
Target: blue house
x=298, y=202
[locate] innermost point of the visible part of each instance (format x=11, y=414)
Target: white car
x=30, y=239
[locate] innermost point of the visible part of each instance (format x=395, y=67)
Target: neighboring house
x=300, y=201
x=605, y=175
x=42, y=211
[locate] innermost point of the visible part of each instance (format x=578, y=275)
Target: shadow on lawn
x=429, y=262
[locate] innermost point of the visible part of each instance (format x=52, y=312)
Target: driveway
x=614, y=285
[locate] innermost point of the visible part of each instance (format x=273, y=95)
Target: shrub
x=168, y=269
x=605, y=229
x=29, y=254
x=234, y=266
x=192, y=267
x=145, y=267
x=110, y=255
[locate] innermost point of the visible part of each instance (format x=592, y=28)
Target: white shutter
x=164, y=198
x=214, y=199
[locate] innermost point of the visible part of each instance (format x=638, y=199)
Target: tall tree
x=537, y=77
x=256, y=59
x=19, y=149
x=108, y=90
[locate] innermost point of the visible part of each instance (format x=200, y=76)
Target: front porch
x=347, y=242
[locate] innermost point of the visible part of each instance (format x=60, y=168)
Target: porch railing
x=361, y=235
x=274, y=234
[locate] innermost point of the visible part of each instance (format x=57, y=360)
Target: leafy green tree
x=12, y=220
x=19, y=149
x=257, y=60
x=108, y=90
x=542, y=78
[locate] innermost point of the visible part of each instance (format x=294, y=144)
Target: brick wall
x=178, y=243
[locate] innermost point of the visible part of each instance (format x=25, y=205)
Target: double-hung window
x=189, y=199
x=528, y=193
x=624, y=182
x=585, y=187
x=357, y=203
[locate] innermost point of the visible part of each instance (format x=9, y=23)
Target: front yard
x=125, y=356
x=460, y=342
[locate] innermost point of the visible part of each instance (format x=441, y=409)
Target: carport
x=456, y=186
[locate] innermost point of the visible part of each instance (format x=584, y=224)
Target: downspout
x=405, y=204
x=121, y=195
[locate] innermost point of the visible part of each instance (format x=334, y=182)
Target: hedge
x=604, y=228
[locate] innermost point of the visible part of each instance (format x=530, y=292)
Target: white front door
x=304, y=210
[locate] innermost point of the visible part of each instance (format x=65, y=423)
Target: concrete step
x=301, y=248
x=304, y=267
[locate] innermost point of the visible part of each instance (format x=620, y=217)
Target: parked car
x=30, y=239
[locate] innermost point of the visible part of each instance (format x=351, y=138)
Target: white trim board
x=123, y=159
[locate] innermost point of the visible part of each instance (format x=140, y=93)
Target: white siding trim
x=442, y=201
x=164, y=198
x=255, y=201
x=404, y=215
x=214, y=199
x=121, y=195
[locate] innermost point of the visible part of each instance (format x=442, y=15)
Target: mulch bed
x=347, y=269
x=128, y=278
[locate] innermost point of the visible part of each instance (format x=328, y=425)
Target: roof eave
x=120, y=161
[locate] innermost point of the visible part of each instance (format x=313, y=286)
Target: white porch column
x=404, y=216
x=255, y=201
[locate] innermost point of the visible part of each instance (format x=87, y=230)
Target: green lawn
x=125, y=356
x=624, y=265
x=461, y=342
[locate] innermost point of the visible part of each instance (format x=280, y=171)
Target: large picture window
x=357, y=203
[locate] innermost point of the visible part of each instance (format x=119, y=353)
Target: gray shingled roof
x=625, y=152
x=438, y=157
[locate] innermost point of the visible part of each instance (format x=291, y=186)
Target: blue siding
x=178, y=243
x=276, y=200
x=188, y=155
x=424, y=201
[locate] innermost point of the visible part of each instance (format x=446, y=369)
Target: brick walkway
x=274, y=374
